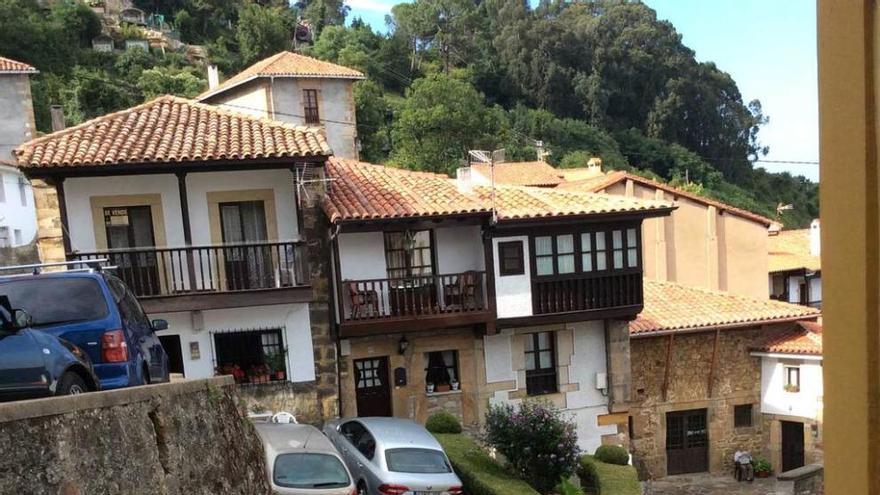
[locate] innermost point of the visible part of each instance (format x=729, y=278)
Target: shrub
x=566, y=487
x=539, y=444
x=443, y=422
x=478, y=472
x=608, y=479
x=612, y=454
x=761, y=465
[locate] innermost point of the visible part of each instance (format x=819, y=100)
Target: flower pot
x=762, y=474
x=455, y=385
x=430, y=388
x=279, y=375
x=444, y=387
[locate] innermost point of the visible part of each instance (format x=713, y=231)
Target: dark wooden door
x=687, y=442
x=792, y=445
x=171, y=344
x=372, y=389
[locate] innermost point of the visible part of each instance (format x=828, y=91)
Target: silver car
x=301, y=461
x=390, y=456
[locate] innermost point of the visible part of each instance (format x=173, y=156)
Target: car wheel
x=362, y=488
x=71, y=384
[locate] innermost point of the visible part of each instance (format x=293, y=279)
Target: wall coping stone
x=800, y=473
x=54, y=406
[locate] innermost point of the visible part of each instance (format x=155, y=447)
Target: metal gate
x=687, y=442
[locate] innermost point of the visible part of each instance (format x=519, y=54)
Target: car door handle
x=360, y=466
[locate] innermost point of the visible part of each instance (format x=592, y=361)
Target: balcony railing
x=158, y=271
x=564, y=294
x=413, y=297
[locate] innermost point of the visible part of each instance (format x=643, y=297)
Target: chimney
x=213, y=77
x=540, y=151
x=57, y=113
x=463, y=181
x=594, y=167
x=815, y=238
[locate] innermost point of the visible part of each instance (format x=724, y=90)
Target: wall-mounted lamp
x=403, y=345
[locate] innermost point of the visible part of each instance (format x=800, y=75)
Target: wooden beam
x=62, y=211
x=227, y=299
x=712, y=363
x=187, y=229
x=668, y=362
x=409, y=324
x=489, y=255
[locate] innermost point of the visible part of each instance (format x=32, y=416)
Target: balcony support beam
x=187, y=230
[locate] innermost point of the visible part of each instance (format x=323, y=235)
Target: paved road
x=704, y=484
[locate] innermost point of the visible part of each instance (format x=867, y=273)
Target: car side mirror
x=21, y=319
x=159, y=325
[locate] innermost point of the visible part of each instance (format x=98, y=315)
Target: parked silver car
x=390, y=456
x=301, y=461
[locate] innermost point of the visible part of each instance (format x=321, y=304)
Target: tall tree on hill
x=323, y=13
x=263, y=31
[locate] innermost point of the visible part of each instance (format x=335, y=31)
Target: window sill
x=439, y=394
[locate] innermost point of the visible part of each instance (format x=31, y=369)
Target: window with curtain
x=246, y=267
x=441, y=369
x=409, y=254
x=586, y=252
x=540, y=363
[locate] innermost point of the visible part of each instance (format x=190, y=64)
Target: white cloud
x=371, y=5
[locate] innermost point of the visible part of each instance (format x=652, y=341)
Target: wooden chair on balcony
x=461, y=295
x=363, y=302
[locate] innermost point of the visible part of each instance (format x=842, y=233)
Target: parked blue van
x=97, y=313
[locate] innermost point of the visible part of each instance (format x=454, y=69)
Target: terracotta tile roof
x=601, y=183
x=671, y=307
x=521, y=173
x=9, y=66
x=803, y=337
x=170, y=129
x=790, y=250
x=286, y=64
x=362, y=191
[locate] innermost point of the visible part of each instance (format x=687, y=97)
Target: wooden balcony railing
x=157, y=271
x=569, y=293
x=413, y=297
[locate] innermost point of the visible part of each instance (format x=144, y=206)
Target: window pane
x=529, y=343
x=600, y=241
x=545, y=265
x=617, y=239
x=546, y=359
x=309, y=470
x=600, y=260
x=631, y=237
x=566, y=263
x=565, y=244
x=632, y=256
x=544, y=340
x=530, y=361
x=587, y=262
x=586, y=242
x=618, y=259
x=543, y=246
x=417, y=461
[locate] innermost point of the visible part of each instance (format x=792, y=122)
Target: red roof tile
x=790, y=250
x=803, y=337
x=521, y=173
x=9, y=66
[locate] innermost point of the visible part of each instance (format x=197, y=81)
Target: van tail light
x=393, y=489
x=455, y=490
x=354, y=491
x=113, y=347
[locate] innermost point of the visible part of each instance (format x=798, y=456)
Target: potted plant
x=455, y=385
x=443, y=387
x=429, y=388
x=791, y=387
x=762, y=467
x=277, y=363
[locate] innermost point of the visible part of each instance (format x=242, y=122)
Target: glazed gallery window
x=409, y=254
x=442, y=370
x=586, y=252
x=540, y=359
x=510, y=258
x=792, y=378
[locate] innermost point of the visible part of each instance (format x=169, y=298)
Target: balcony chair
x=363, y=302
x=462, y=293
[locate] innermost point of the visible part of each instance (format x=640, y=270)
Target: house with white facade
x=792, y=394
x=293, y=88
x=18, y=223
x=446, y=299
x=212, y=219
x=796, y=266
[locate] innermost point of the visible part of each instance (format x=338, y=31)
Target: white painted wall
x=335, y=109
x=513, y=293
x=17, y=213
x=362, y=255
x=499, y=357
x=459, y=249
x=794, y=289
x=293, y=319
x=775, y=400
x=252, y=101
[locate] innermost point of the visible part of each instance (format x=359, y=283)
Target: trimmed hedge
x=478, y=472
x=612, y=454
x=443, y=422
x=608, y=479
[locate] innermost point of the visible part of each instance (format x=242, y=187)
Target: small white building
x=796, y=266
x=296, y=89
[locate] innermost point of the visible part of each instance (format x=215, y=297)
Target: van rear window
x=54, y=301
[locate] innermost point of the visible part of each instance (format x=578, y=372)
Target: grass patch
x=478, y=472
x=608, y=479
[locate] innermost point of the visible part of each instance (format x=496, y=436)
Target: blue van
x=96, y=312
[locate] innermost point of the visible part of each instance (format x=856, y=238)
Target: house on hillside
x=18, y=224
x=213, y=220
x=443, y=303
x=299, y=90
x=700, y=391
x=792, y=394
x=795, y=265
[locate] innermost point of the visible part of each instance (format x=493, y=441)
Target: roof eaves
x=719, y=326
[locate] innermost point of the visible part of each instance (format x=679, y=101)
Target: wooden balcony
x=389, y=305
x=603, y=294
x=210, y=277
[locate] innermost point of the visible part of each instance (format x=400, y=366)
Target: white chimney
x=594, y=167
x=463, y=180
x=213, y=77
x=57, y=114
x=815, y=238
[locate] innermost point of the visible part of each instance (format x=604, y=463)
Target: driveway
x=705, y=484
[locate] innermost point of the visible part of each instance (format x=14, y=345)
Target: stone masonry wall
x=49, y=239
x=176, y=438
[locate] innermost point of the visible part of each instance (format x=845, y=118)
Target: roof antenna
x=490, y=157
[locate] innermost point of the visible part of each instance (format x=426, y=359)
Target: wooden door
x=372, y=388
x=172, y=346
x=792, y=445
x=687, y=442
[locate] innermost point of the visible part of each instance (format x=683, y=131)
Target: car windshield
x=416, y=461
x=52, y=301
x=310, y=471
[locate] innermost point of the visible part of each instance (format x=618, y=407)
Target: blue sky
x=769, y=47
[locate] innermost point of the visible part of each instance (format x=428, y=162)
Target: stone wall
x=737, y=380
x=177, y=438
x=299, y=399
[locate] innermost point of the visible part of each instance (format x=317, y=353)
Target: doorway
x=792, y=445
x=247, y=266
x=129, y=228
x=687, y=442
x=171, y=344
x=372, y=389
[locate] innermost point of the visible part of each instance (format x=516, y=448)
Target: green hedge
x=478, y=472
x=612, y=454
x=443, y=422
x=608, y=479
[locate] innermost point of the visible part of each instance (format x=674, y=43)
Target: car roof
x=399, y=433
x=60, y=274
x=287, y=437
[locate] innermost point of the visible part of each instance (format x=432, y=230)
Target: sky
x=768, y=47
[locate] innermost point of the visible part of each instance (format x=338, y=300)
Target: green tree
x=372, y=127
x=161, y=81
x=263, y=31
x=324, y=13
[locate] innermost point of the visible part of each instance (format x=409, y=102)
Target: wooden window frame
x=408, y=268
x=788, y=385
x=454, y=366
x=542, y=373
x=311, y=110
x=739, y=417
x=594, y=252
x=519, y=257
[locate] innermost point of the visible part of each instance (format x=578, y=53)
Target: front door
x=129, y=228
x=792, y=445
x=248, y=266
x=687, y=442
x=372, y=388
x=171, y=344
